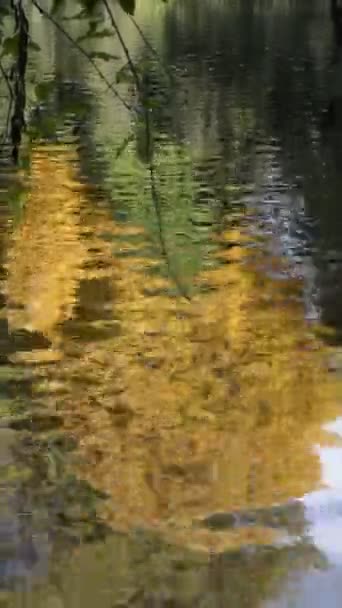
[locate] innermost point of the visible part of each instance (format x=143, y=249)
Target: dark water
x=170, y=328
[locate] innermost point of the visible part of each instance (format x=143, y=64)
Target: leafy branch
x=83, y=52
x=17, y=46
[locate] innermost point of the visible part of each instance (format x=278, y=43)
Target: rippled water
x=170, y=329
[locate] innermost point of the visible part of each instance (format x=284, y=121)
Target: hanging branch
x=123, y=44
x=18, y=100
x=75, y=44
x=152, y=49
x=163, y=246
x=149, y=149
x=157, y=207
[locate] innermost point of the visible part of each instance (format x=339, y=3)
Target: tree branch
x=123, y=44
x=74, y=43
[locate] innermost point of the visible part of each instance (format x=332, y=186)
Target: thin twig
x=6, y=79
x=110, y=86
x=152, y=49
x=156, y=204
x=163, y=246
x=154, y=191
x=123, y=146
x=123, y=44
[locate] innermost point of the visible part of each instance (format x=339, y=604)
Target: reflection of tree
x=143, y=572
x=181, y=408
x=229, y=119
x=50, y=534
x=45, y=512
x=49, y=271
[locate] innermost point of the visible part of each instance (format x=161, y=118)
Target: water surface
x=170, y=322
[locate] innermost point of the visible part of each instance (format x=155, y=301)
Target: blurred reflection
x=180, y=408
x=47, y=248
x=193, y=477
x=196, y=419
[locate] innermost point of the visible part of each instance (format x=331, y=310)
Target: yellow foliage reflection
x=180, y=408
x=47, y=250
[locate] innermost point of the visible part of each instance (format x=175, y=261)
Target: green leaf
x=103, y=33
x=104, y=56
x=82, y=14
x=89, y=5
x=125, y=75
x=151, y=104
x=93, y=33
x=10, y=46
x=4, y=12
x=57, y=5
x=84, y=37
x=128, y=6
x=34, y=46
x=43, y=90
